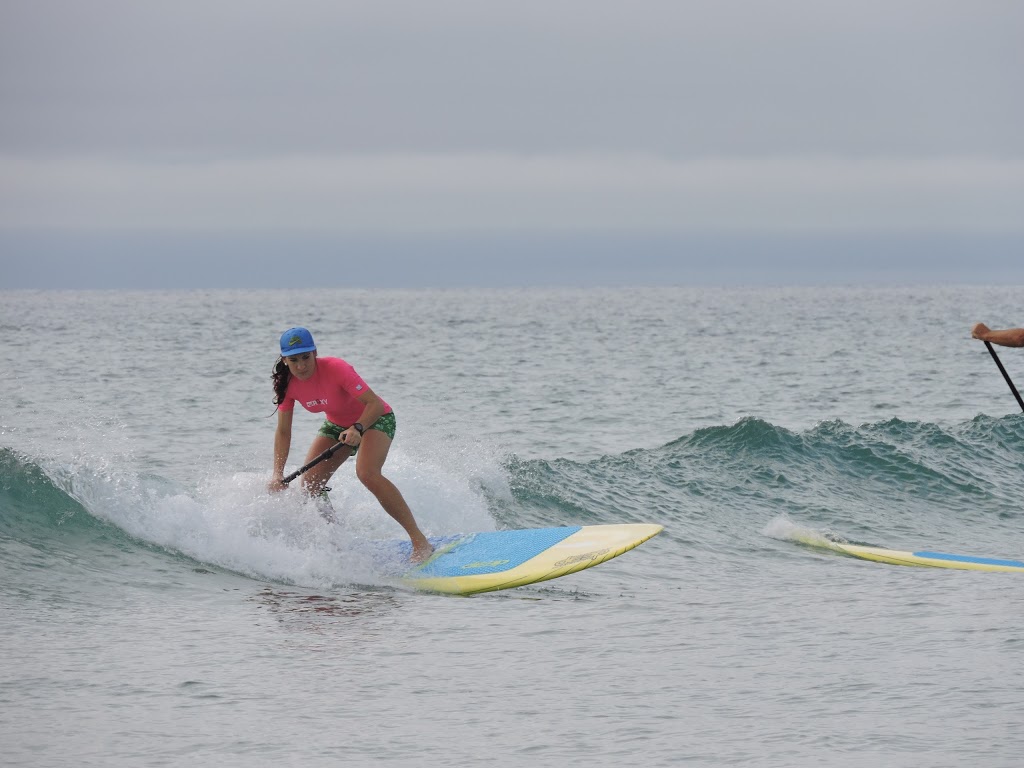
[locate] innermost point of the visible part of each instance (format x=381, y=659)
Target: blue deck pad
x=969, y=559
x=493, y=551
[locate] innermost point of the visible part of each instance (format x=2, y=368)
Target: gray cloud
x=244, y=119
x=499, y=193
x=672, y=78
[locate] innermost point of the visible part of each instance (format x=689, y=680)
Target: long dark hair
x=281, y=376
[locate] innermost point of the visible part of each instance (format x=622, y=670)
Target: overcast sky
x=482, y=142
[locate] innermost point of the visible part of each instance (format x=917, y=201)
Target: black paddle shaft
x=1006, y=376
x=322, y=457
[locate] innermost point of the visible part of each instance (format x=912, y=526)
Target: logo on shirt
x=315, y=403
x=358, y=387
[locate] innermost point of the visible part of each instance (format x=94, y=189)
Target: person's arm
x=1011, y=337
x=282, y=446
x=373, y=409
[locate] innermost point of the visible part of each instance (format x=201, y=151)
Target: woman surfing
x=355, y=416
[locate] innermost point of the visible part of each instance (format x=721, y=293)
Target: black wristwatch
x=358, y=428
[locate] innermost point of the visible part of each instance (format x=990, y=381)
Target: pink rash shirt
x=331, y=390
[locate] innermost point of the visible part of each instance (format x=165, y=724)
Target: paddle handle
x=1006, y=376
x=322, y=457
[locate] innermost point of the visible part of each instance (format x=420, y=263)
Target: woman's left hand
x=351, y=437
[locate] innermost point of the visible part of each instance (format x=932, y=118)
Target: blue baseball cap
x=295, y=341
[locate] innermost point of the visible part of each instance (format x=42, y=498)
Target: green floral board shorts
x=385, y=424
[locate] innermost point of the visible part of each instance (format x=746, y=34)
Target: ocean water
x=158, y=608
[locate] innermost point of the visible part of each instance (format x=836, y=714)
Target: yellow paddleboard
x=923, y=558
x=484, y=562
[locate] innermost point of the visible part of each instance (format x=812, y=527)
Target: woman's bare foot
x=421, y=550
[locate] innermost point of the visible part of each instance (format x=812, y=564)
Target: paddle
x=1006, y=376
x=322, y=457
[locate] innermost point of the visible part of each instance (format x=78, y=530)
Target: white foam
x=784, y=529
x=230, y=521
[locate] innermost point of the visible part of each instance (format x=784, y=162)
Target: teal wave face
x=721, y=485
x=52, y=546
x=31, y=506
x=58, y=551
x=44, y=526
